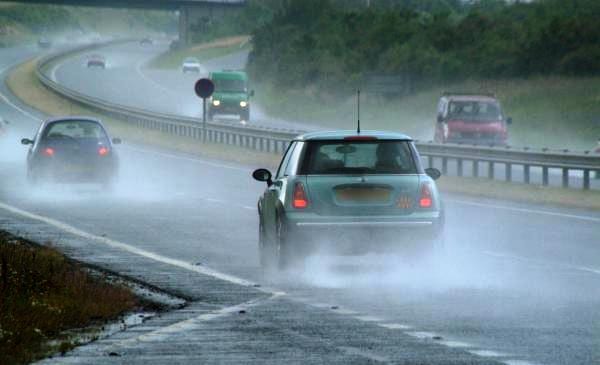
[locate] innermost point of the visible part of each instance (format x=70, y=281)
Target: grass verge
x=43, y=294
x=23, y=83
x=203, y=52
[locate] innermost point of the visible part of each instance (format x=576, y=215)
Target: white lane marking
x=320, y=305
x=422, y=335
x=486, y=353
x=138, y=69
x=53, y=72
x=395, y=326
x=192, y=323
x=541, y=262
x=517, y=362
x=185, y=158
x=455, y=344
x=25, y=112
x=369, y=318
x=135, y=250
x=526, y=210
x=345, y=311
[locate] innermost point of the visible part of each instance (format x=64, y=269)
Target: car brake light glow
x=425, y=201
x=103, y=151
x=49, y=151
x=299, y=199
x=360, y=138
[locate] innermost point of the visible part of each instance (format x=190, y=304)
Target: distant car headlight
x=243, y=104
x=216, y=102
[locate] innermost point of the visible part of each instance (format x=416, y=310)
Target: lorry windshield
x=474, y=111
x=358, y=157
x=238, y=86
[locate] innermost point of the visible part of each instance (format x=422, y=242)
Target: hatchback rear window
x=75, y=129
x=358, y=157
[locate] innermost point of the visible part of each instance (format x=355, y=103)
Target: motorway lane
x=519, y=283
x=516, y=305
x=127, y=81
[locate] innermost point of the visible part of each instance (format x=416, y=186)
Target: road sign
x=204, y=88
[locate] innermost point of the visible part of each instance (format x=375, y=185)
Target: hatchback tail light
x=299, y=199
x=48, y=151
x=426, y=198
x=103, y=151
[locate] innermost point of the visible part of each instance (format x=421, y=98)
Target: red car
x=471, y=118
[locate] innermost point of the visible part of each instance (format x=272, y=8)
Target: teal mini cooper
x=343, y=189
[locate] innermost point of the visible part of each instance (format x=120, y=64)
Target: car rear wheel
x=275, y=254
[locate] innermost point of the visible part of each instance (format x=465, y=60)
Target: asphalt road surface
x=520, y=283
x=127, y=81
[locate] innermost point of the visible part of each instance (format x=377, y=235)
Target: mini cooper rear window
x=358, y=157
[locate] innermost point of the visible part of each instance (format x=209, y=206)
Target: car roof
x=190, y=59
x=73, y=118
x=342, y=134
x=471, y=97
x=229, y=75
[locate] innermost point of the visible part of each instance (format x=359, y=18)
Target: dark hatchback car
x=72, y=150
x=340, y=190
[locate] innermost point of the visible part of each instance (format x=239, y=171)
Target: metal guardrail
x=276, y=140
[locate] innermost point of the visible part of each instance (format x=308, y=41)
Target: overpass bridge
x=190, y=11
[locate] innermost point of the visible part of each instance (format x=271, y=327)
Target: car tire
x=275, y=254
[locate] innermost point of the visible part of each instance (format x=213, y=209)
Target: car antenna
x=358, y=107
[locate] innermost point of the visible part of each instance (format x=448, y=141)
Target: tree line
x=329, y=46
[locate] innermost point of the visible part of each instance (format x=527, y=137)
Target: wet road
x=520, y=284
x=127, y=81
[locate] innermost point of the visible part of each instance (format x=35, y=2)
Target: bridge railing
x=482, y=161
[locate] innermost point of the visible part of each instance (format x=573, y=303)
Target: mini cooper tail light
x=48, y=151
x=426, y=199
x=103, y=151
x=299, y=199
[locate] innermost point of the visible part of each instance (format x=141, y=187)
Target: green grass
x=203, y=52
x=557, y=112
x=42, y=293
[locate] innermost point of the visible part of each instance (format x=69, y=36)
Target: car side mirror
x=433, y=173
x=251, y=92
x=509, y=120
x=26, y=141
x=116, y=141
x=440, y=118
x=263, y=175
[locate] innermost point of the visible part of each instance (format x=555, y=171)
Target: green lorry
x=231, y=95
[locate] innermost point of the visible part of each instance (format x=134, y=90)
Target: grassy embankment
x=554, y=112
x=42, y=293
x=203, y=52
x=25, y=85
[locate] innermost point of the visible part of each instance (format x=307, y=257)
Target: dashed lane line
x=527, y=210
x=501, y=255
